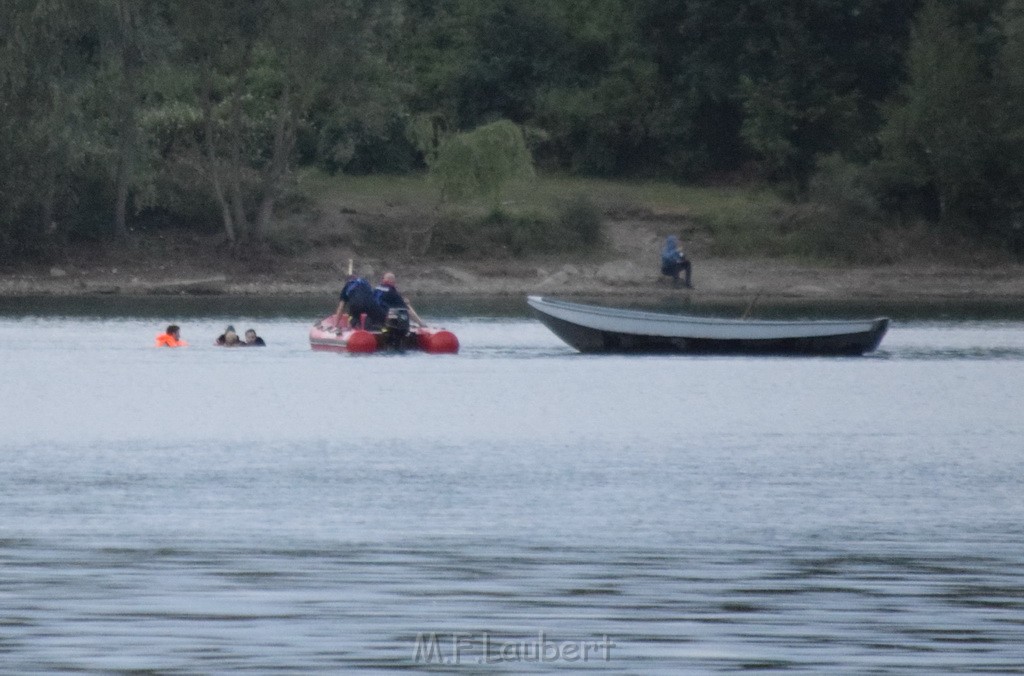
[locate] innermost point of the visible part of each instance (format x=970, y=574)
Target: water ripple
x=209, y=607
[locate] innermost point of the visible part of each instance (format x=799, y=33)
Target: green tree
x=1010, y=111
x=808, y=79
x=608, y=113
x=481, y=162
x=938, y=135
x=646, y=87
x=48, y=61
x=263, y=67
x=135, y=45
x=126, y=47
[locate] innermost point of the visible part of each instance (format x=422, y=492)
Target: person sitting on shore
x=674, y=261
x=229, y=338
x=252, y=340
x=357, y=298
x=171, y=337
x=388, y=297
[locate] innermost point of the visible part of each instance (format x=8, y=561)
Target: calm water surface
x=516, y=507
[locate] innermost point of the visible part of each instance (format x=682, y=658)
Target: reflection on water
x=509, y=509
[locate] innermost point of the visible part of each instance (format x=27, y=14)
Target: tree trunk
x=284, y=140
x=46, y=208
x=212, y=163
x=125, y=149
x=127, y=119
x=234, y=179
x=121, y=208
x=50, y=238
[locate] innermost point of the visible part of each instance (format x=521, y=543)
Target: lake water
x=515, y=508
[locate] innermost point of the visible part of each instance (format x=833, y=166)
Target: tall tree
x=127, y=47
x=808, y=80
x=1010, y=111
x=609, y=111
x=938, y=135
x=481, y=162
x=47, y=66
x=136, y=44
x=262, y=67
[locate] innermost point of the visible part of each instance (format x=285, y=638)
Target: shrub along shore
x=550, y=235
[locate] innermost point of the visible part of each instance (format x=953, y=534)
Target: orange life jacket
x=167, y=340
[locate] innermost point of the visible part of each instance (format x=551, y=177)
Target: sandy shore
x=626, y=268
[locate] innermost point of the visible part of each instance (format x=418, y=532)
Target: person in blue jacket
x=357, y=298
x=674, y=261
x=387, y=296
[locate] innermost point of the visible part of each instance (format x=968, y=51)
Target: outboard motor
x=396, y=328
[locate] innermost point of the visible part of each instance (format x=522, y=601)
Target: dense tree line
x=119, y=112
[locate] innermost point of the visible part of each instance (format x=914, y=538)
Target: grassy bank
x=546, y=214
x=711, y=205
x=745, y=242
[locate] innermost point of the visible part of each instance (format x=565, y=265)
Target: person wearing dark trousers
x=674, y=261
x=357, y=299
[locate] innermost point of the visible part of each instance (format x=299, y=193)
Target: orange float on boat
x=361, y=341
x=437, y=341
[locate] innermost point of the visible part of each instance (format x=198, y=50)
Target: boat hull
x=595, y=329
x=327, y=337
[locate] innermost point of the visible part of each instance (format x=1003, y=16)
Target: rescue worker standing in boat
x=387, y=296
x=357, y=297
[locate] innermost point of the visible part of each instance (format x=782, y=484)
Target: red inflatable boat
x=327, y=335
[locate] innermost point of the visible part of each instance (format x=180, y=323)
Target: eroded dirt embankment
x=627, y=268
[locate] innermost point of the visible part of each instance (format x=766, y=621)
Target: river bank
x=626, y=268
x=714, y=279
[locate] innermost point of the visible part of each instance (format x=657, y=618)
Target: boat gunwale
x=646, y=315
x=614, y=321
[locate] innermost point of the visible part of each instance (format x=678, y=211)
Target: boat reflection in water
x=590, y=328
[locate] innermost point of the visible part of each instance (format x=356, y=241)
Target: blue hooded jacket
x=355, y=286
x=671, y=253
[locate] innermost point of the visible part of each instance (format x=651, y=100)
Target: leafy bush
x=840, y=222
x=517, y=234
x=580, y=218
x=808, y=231
x=479, y=163
x=456, y=236
x=287, y=241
